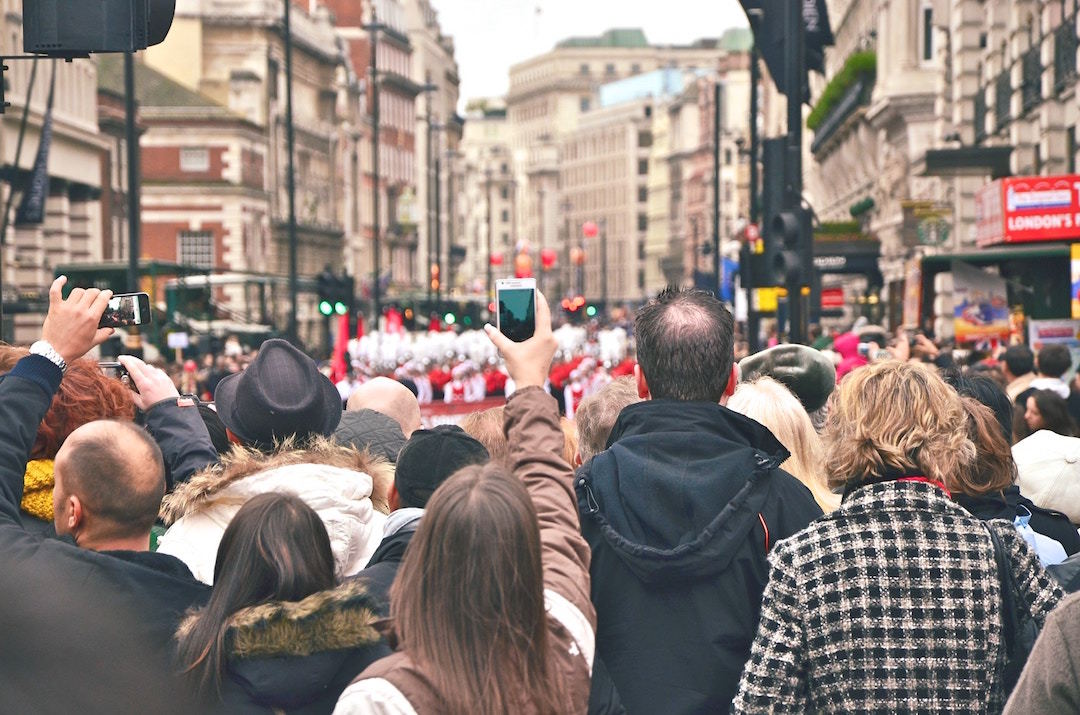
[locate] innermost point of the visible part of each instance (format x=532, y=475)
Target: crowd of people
x=878, y=523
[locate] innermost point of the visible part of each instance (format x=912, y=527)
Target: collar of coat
x=894, y=494
x=243, y=462
x=337, y=619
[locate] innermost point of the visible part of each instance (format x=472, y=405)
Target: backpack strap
x=765, y=528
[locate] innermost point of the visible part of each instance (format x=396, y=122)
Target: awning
x=993, y=255
x=966, y=161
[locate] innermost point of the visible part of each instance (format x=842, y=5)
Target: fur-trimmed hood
x=243, y=462
x=285, y=654
x=337, y=482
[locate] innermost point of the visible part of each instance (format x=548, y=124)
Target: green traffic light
x=467, y=320
x=590, y=311
x=340, y=308
x=450, y=318
x=325, y=308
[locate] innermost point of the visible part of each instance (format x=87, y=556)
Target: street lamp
x=373, y=28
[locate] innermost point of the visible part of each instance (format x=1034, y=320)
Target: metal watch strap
x=47, y=351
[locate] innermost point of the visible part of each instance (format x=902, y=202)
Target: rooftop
x=625, y=37
x=152, y=89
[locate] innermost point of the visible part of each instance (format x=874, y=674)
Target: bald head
x=391, y=398
x=115, y=472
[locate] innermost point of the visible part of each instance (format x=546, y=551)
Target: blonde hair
x=895, y=416
x=773, y=405
x=570, y=441
x=596, y=415
x=486, y=427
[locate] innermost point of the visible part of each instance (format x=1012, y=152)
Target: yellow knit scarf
x=38, y=489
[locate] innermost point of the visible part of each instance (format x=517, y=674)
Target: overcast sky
x=491, y=35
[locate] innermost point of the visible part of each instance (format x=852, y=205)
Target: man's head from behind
x=685, y=342
x=1054, y=360
x=109, y=482
x=390, y=398
x=1018, y=360
x=597, y=414
x=428, y=459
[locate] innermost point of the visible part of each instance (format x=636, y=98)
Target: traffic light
x=326, y=286
x=336, y=293
x=62, y=28
x=449, y=318
x=591, y=311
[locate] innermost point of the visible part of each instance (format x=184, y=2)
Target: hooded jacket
x=680, y=512
x=379, y=574
x=297, y=656
x=335, y=481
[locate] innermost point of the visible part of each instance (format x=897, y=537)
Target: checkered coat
x=889, y=604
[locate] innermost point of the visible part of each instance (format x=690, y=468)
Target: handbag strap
x=1005, y=579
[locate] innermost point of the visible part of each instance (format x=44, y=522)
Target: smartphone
x=516, y=299
x=864, y=349
x=116, y=370
x=126, y=309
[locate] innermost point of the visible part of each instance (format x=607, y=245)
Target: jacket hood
x=392, y=547
x=284, y=653
x=715, y=462
x=996, y=505
x=243, y=462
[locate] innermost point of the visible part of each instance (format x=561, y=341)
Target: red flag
x=337, y=363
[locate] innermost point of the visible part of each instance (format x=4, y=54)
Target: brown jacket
x=1050, y=682
x=398, y=685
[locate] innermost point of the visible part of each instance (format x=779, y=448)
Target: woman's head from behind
x=275, y=548
x=468, y=600
x=773, y=405
x=993, y=468
x=894, y=417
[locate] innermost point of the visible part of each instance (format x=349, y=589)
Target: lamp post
x=490, y=277
x=290, y=149
x=376, y=289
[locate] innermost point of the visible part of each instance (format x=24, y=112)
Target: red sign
x=1028, y=208
x=832, y=298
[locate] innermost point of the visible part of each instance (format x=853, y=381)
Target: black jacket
x=298, y=656
x=680, y=512
x=1004, y=505
x=179, y=430
x=156, y=589
x=383, y=566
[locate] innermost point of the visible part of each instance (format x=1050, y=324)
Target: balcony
x=1065, y=55
x=1002, y=100
x=980, y=115
x=1031, y=84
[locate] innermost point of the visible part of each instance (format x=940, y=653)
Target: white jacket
x=201, y=509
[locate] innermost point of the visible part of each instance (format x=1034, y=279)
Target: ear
x=642, y=384
x=76, y=517
x=393, y=500
x=577, y=460
x=732, y=383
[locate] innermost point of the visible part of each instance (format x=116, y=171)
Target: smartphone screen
x=126, y=309
x=517, y=311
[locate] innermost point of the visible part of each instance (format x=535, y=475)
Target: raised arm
x=173, y=421
x=70, y=330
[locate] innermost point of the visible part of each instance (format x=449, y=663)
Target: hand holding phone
x=528, y=362
x=515, y=299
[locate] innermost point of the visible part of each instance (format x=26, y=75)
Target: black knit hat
x=429, y=458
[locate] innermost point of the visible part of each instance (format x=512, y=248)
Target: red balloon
x=523, y=266
x=496, y=259
x=577, y=256
x=589, y=229
x=548, y=257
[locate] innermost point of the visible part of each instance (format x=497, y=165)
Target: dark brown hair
x=685, y=342
x=993, y=469
x=1055, y=412
x=468, y=601
x=275, y=548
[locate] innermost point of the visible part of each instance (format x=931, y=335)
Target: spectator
x=491, y=612
x=680, y=512
x=85, y=395
x=282, y=407
x=109, y=479
x=845, y=624
x=392, y=399
x=1048, y=467
x=428, y=459
x=1049, y=682
x=847, y=346
x=986, y=487
x=276, y=633
x=1053, y=361
x=807, y=373
x=598, y=413
x=367, y=429
x=486, y=428
x=1044, y=409
x=773, y=405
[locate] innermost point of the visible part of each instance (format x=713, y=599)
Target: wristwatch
x=48, y=352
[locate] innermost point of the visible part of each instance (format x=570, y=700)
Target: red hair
x=85, y=395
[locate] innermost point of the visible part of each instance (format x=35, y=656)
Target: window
x=505, y=216
x=642, y=167
x=642, y=222
x=609, y=69
x=1070, y=150
x=584, y=69
x=195, y=160
x=505, y=192
x=727, y=157
x=635, y=68
x=641, y=251
x=644, y=139
x=927, y=33
x=584, y=104
x=195, y=248
x=641, y=279
x=642, y=194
